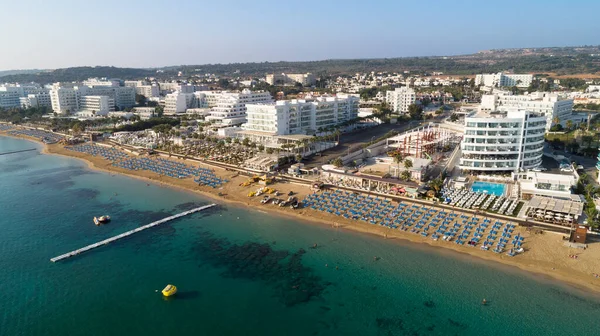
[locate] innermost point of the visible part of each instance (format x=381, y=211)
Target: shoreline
x=533, y=262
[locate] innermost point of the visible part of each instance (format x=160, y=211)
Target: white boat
x=101, y=220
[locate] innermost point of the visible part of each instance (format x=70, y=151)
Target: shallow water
x=256, y=275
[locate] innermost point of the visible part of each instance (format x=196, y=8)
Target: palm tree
x=569, y=124
x=398, y=158
x=556, y=120
x=436, y=184
x=408, y=164
x=406, y=175
x=304, y=143
x=312, y=141
x=337, y=134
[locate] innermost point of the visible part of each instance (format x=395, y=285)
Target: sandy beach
x=544, y=254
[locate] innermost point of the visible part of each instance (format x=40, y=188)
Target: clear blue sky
x=64, y=33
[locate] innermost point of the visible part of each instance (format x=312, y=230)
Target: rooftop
x=516, y=113
x=556, y=205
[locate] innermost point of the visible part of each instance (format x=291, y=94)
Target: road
x=350, y=142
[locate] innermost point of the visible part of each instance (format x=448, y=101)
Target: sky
x=131, y=33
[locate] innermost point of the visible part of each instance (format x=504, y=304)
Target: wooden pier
x=128, y=233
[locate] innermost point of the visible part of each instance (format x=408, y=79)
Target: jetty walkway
x=19, y=151
x=129, y=233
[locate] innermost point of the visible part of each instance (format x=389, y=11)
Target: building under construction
x=424, y=142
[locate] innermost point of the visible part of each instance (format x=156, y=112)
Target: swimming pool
x=489, y=188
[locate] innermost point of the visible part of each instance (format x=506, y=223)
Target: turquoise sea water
x=239, y=271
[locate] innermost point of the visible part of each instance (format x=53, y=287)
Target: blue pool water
x=496, y=189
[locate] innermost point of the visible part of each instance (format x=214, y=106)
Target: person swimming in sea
x=484, y=302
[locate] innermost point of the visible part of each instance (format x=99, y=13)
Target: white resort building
x=546, y=184
x=298, y=117
x=24, y=95
x=551, y=105
x=503, y=141
x=500, y=79
x=226, y=108
x=401, y=98
x=230, y=107
x=96, y=105
x=66, y=97
x=306, y=79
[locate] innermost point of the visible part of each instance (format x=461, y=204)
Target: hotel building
x=65, y=97
x=29, y=95
x=401, y=98
x=305, y=116
x=229, y=108
x=306, y=79
x=503, y=141
x=551, y=105
x=500, y=79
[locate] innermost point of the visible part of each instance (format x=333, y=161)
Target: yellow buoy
x=170, y=290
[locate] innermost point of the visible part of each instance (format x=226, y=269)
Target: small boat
x=265, y=200
x=101, y=220
x=170, y=290
x=519, y=250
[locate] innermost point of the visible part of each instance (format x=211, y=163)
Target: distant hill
x=77, y=74
x=18, y=72
x=558, y=60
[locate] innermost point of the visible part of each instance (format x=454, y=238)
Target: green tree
x=246, y=142
x=140, y=99
x=398, y=159
x=338, y=162
x=77, y=128
x=415, y=111
x=224, y=83
x=454, y=117
x=270, y=150
x=408, y=164
x=569, y=124
x=436, y=184
x=405, y=175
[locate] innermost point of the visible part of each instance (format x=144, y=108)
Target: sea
x=239, y=271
